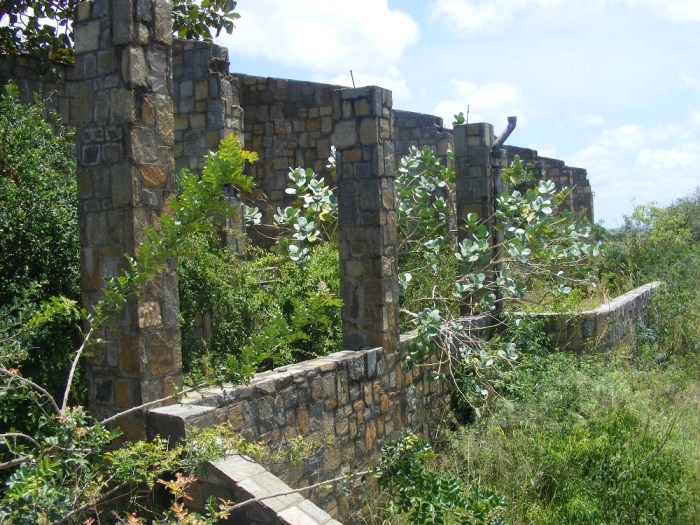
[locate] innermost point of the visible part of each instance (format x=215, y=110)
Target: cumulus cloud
x=468, y=17
x=630, y=162
x=489, y=102
x=323, y=35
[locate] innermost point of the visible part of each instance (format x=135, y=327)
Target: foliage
x=525, y=245
x=662, y=244
x=428, y=497
x=495, y=369
x=39, y=246
x=311, y=219
x=43, y=28
x=62, y=466
x=266, y=306
x=584, y=442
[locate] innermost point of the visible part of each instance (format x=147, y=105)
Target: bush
x=39, y=244
x=266, y=305
x=586, y=442
x=662, y=244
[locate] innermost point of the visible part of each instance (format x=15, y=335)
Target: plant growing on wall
x=43, y=28
x=61, y=465
x=493, y=261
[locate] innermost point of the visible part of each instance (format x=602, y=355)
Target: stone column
x=123, y=113
x=367, y=217
x=473, y=144
x=472, y=147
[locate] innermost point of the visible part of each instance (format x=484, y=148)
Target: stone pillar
x=473, y=173
x=367, y=217
x=123, y=114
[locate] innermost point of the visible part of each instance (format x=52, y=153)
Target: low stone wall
x=361, y=399
x=604, y=328
x=238, y=478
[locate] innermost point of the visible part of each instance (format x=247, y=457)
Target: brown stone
x=370, y=435
x=303, y=421
x=153, y=175
x=129, y=355
x=122, y=396
x=149, y=314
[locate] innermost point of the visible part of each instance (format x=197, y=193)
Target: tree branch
x=150, y=403
x=15, y=462
x=22, y=436
x=36, y=387
x=74, y=366
x=90, y=505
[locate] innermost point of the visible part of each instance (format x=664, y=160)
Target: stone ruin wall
x=362, y=399
x=288, y=123
x=123, y=102
x=581, y=198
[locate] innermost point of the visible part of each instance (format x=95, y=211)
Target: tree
x=42, y=28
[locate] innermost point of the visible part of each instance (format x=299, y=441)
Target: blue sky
x=612, y=86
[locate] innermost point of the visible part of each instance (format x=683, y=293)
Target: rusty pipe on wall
x=512, y=122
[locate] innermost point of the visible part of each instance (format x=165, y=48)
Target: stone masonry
x=419, y=130
x=360, y=398
x=288, y=123
x=207, y=106
x=367, y=236
x=576, y=179
x=124, y=141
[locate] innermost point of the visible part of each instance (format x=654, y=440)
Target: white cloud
x=490, y=102
x=322, y=35
x=634, y=164
x=467, y=17
x=675, y=10
x=662, y=159
x=472, y=16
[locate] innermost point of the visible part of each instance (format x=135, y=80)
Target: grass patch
x=589, y=442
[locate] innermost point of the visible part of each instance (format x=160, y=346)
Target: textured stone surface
x=366, y=223
x=349, y=395
x=124, y=136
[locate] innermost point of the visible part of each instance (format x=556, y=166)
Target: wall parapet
x=363, y=398
x=602, y=328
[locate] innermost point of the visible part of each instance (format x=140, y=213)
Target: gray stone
x=345, y=134
x=143, y=145
x=87, y=37
x=122, y=22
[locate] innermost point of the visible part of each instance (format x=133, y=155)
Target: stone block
x=134, y=67
x=87, y=37
x=143, y=145
x=345, y=134
x=163, y=26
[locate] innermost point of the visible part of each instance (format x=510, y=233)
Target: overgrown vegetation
x=546, y=437
x=55, y=459
x=569, y=439
x=44, y=28
x=39, y=247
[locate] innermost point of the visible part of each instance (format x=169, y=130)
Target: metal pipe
x=512, y=121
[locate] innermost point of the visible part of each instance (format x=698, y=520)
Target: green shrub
x=266, y=304
x=588, y=442
x=39, y=247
